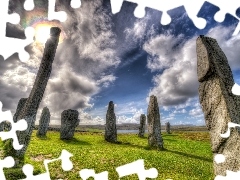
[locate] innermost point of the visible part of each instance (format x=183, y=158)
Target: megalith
x=7, y=125
x=44, y=122
x=20, y=106
x=110, y=127
x=220, y=106
x=168, y=130
x=69, y=121
x=154, y=126
x=30, y=108
x=142, y=125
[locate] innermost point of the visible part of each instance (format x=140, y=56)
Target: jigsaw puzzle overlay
x=9, y=46
x=192, y=8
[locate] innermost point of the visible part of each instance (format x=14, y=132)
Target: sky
x=106, y=57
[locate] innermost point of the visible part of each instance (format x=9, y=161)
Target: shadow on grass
x=189, y=155
x=75, y=141
x=43, y=137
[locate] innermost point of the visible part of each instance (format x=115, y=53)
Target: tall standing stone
x=44, y=122
x=218, y=103
x=168, y=130
x=154, y=127
x=110, y=128
x=30, y=108
x=69, y=121
x=142, y=125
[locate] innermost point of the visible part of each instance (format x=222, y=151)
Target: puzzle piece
x=61, y=15
x=137, y=167
x=29, y=5
x=87, y=173
x=9, y=46
x=236, y=89
x=21, y=125
x=5, y=163
x=192, y=8
x=66, y=166
x=230, y=175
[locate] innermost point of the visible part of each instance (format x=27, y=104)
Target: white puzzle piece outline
x=67, y=165
x=192, y=9
x=20, y=125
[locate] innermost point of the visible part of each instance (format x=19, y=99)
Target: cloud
x=83, y=64
x=86, y=118
x=138, y=30
x=106, y=80
x=135, y=118
x=178, y=84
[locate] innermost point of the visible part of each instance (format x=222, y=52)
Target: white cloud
x=178, y=82
x=135, y=118
x=86, y=118
x=138, y=31
x=106, y=80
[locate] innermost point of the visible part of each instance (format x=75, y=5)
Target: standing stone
x=20, y=106
x=69, y=121
x=30, y=108
x=44, y=122
x=6, y=126
x=168, y=127
x=154, y=127
x=110, y=128
x=142, y=125
x=218, y=103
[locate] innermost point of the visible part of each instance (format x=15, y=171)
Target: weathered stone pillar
x=44, y=122
x=20, y=106
x=218, y=103
x=30, y=108
x=154, y=126
x=69, y=121
x=142, y=125
x=110, y=127
x=6, y=125
x=168, y=127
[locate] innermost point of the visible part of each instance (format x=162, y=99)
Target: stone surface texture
x=168, y=130
x=7, y=125
x=30, y=108
x=218, y=103
x=142, y=125
x=110, y=127
x=44, y=122
x=154, y=126
x=69, y=121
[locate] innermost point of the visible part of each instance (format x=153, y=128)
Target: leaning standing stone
x=110, y=128
x=154, y=128
x=69, y=121
x=30, y=108
x=142, y=125
x=44, y=122
x=168, y=128
x=220, y=106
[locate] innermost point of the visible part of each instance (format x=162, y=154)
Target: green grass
x=187, y=156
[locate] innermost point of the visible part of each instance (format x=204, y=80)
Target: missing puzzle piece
x=67, y=165
x=137, y=167
x=20, y=125
x=7, y=162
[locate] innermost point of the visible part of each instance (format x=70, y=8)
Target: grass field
x=187, y=156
